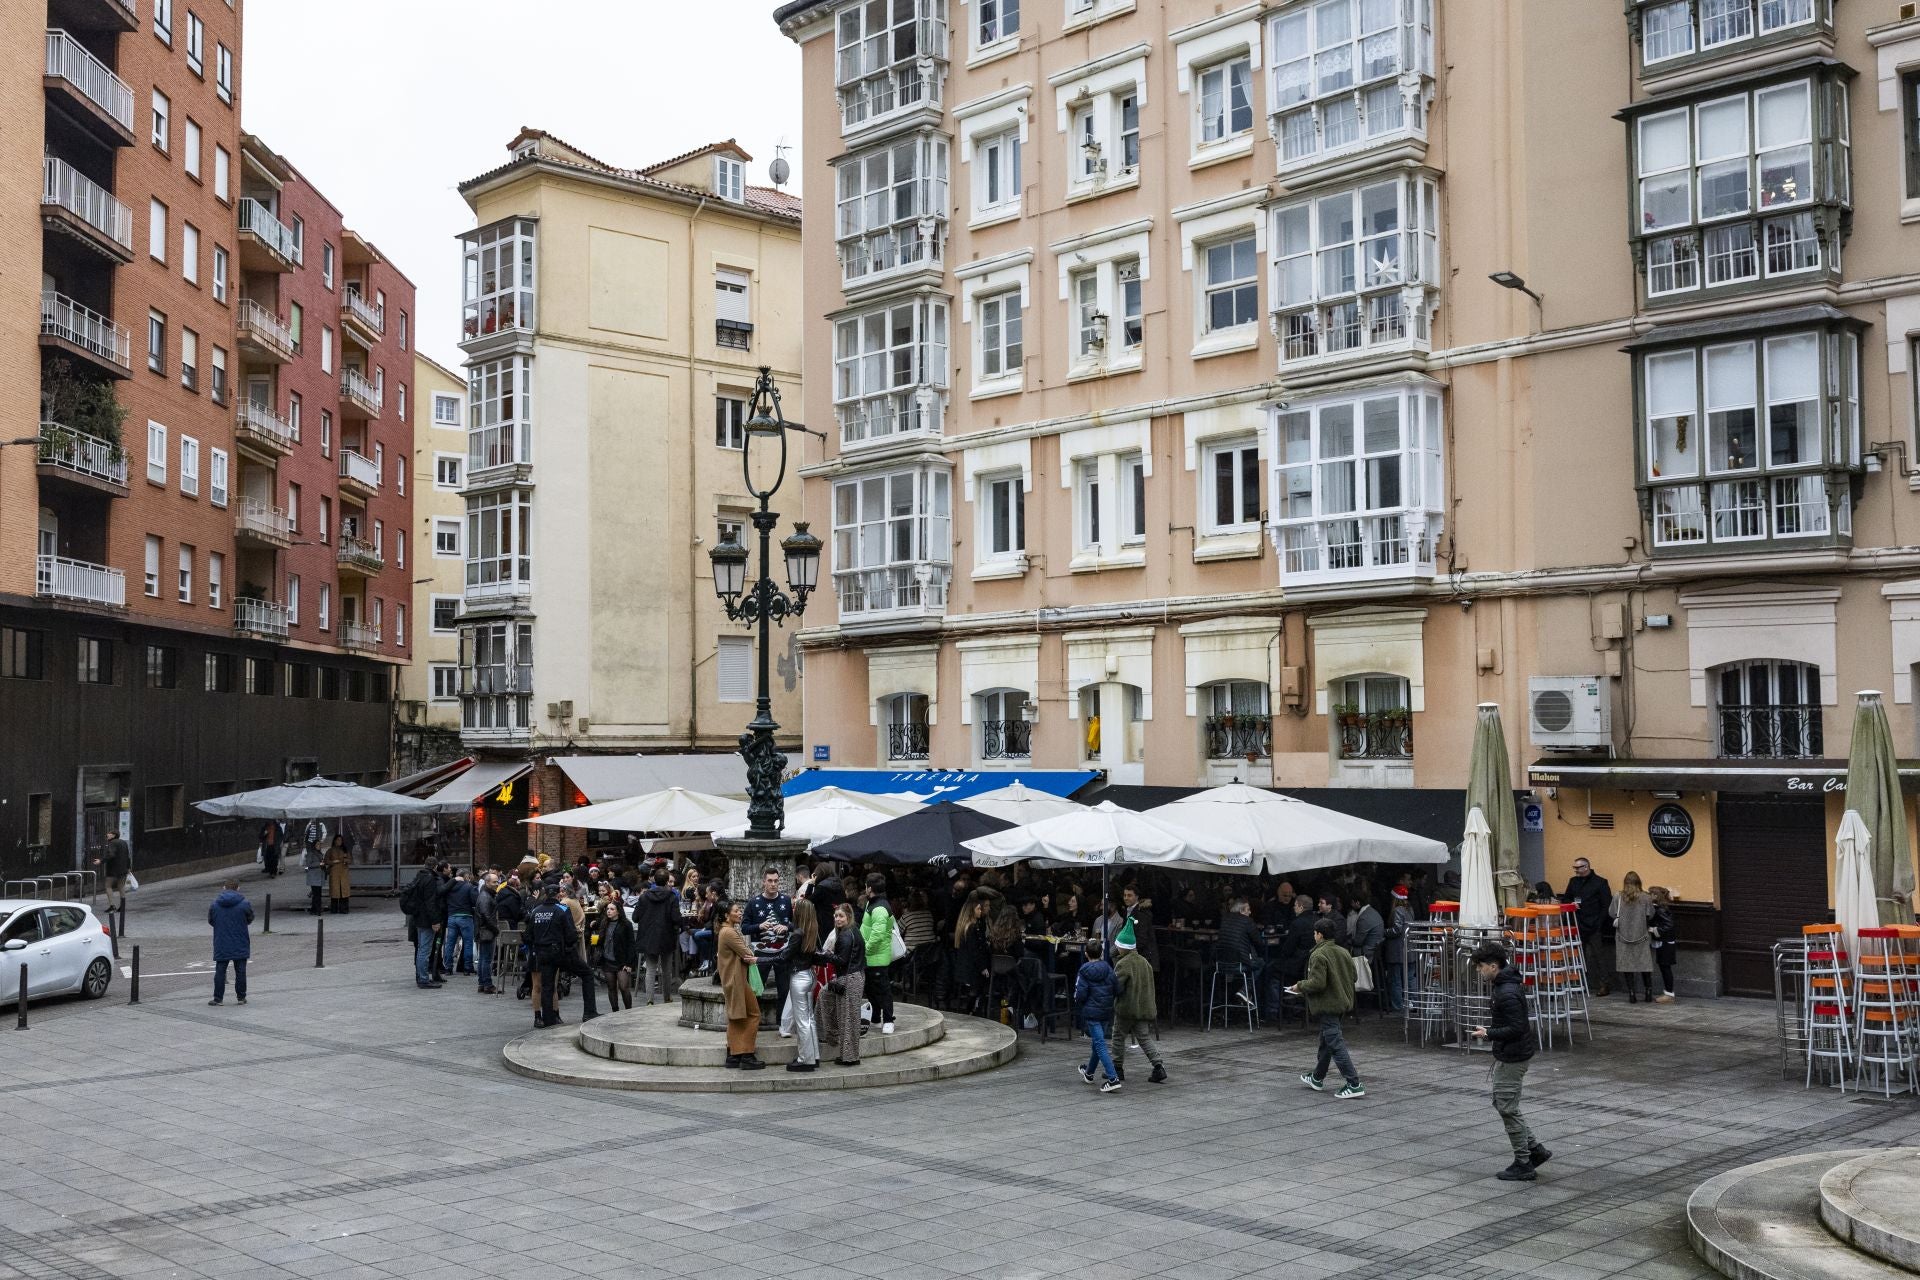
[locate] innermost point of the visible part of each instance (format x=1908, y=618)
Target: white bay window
x=892, y=208
x=499, y=413
x=890, y=57
x=498, y=283
x=1356, y=271
x=499, y=557
x=1670, y=30
x=892, y=540
x=1347, y=74
x=890, y=369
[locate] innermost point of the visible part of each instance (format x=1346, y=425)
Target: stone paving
x=345, y=1123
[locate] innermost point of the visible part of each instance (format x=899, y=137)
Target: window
x=380, y=537
x=23, y=654
x=293, y=507
x=892, y=210
x=446, y=615
x=326, y=349
x=293, y=599
x=218, y=368
x=1231, y=497
x=162, y=120
x=223, y=74
x=1133, y=498
x=1767, y=456
x=217, y=478
x=1003, y=517
x=1726, y=187
x=1237, y=720
x=735, y=668
x=216, y=578
x=400, y=407
x=156, y=342
x=732, y=310
x=296, y=318
x=909, y=736
x=729, y=177
x=996, y=169
x=1337, y=67
x=496, y=675
x=222, y=169
x=999, y=20
x=96, y=661
x=1344, y=264
x=446, y=471
x=403, y=331
x=324, y=613
x=1224, y=100
x=446, y=681
x=497, y=288
x=185, y=594
x=1104, y=140
x=189, y=466
x=151, y=581
x=189, y=359
x=156, y=453
x=890, y=369
x=1910, y=129
x=196, y=43
x=1001, y=352
x=1372, y=718
x=190, y=146
x=1670, y=30
x=888, y=59
x=446, y=410
x=1231, y=288
x=156, y=231
x=326, y=263
x=1109, y=504
x=379, y=460
x=730, y=422
x=40, y=820
x=499, y=413
x=499, y=541
x=1357, y=491
x=259, y=676
x=220, y=269
x=892, y=539
x=399, y=622
x=326, y=433
x=219, y=673
x=163, y=20
x=166, y=808
x=731, y=531
x=326, y=518
x=295, y=410
x=163, y=667
x=1769, y=709
x=1005, y=732
x=446, y=538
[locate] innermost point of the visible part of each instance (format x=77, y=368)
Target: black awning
x=1799, y=777
x=1436, y=813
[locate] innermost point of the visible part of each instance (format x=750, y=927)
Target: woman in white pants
x=803, y=945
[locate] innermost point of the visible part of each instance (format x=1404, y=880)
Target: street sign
x=1532, y=817
x=822, y=753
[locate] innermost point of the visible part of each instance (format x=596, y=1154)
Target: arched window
x=1005, y=732
x=1237, y=723
x=1374, y=718
x=905, y=718
x=1769, y=709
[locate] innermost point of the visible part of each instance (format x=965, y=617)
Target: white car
x=64, y=945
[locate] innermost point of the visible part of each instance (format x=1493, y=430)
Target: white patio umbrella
x=1020, y=804
x=314, y=798
x=1478, y=907
x=1102, y=835
x=675, y=809
x=893, y=805
x=820, y=820
x=1854, y=906
x=1287, y=835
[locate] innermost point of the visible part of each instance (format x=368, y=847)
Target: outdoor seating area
x=1850, y=1017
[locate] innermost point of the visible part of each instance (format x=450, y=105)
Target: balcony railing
x=67, y=188
x=264, y=424
x=917, y=243
x=61, y=317
x=1390, y=545
x=1006, y=740
x=260, y=617
x=356, y=308
x=355, y=387
x=1792, y=733
x=261, y=328
x=82, y=454
x=910, y=741
x=1377, y=735
x=258, y=221
x=68, y=59
x=58, y=578
x=900, y=586
x=890, y=414
x=1238, y=736
x=360, y=555
x=265, y=520
x=356, y=469
x=359, y=635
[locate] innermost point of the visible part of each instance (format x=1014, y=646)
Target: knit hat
x=1123, y=940
x=1399, y=893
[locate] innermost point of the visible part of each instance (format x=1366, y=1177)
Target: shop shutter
x=1773, y=879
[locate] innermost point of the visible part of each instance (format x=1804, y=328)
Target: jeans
x=1099, y=1057
x=704, y=945
x=1396, y=984
x=483, y=960
x=423, y=954
x=661, y=967
x=220, y=978
x=1333, y=1049
x=1507, y=1079
x=459, y=930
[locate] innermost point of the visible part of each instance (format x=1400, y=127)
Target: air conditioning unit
x=1569, y=712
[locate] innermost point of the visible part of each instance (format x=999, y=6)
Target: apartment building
x=145, y=642
x=429, y=696
x=614, y=320
x=1252, y=393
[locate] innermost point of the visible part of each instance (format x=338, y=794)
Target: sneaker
x=1538, y=1155
x=1518, y=1171
x=1159, y=1076
x=1317, y=1086
x=1664, y=998
x=1350, y=1091
x=784, y=1035
x=1111, y=1086
x=216, y=1002
x=1085, y=1074
x=243, y=999
x=886, y=1028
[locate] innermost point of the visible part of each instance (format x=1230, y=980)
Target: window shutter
x=730, y=296
x=736, y=668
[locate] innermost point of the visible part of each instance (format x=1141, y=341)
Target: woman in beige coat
x=735, y=960
x=339, y=865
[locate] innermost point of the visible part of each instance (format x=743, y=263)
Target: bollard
x=113, y=936
x=20, y=1024
x=320, y=944
x=123, y=913
x=133, y=991
x=268, y=927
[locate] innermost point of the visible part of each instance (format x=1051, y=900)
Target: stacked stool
x=1828, y=1026
x=1429, y=947
x=1886, y=1035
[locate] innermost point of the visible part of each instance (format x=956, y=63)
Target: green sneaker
x=1351, y=1091
x=1315, y=1085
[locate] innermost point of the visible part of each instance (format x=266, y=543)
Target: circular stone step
x=1762, y=1222
x=703, y=1005
x=656, y=1036
x=1874, y=1202
x=968, y=1045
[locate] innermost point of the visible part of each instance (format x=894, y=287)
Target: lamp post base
x=748, y=860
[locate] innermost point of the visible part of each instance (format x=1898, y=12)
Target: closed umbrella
x=675, y=809
x=320, y=798
x=1873, y=792
x=929, y=836
x=1286, y=835
x=1490, y=789
x=1020, y=804
x=1478, y=909
x=1854, y=908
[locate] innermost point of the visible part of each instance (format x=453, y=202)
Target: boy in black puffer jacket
x=1513, y=1047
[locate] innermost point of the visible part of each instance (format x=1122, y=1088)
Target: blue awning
x=940, y=784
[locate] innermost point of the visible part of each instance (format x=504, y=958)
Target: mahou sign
x=1670, y=828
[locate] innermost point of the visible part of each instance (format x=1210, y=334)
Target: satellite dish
x=780, y=171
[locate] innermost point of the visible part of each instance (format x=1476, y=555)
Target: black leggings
x=1663, y=956
x=880, y=991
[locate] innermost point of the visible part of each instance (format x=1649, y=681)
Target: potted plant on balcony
x=1349, y=715
x=80, y=404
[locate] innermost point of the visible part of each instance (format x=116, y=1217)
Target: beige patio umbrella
x=1873, y=792
x=1854, y=907
x=1490, y=790
x=1478, y=909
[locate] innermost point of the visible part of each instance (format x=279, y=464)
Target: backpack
x=410, y=899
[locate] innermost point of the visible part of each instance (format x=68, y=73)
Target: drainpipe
x=693, y=555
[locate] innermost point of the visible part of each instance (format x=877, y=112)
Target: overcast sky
x=387, y=105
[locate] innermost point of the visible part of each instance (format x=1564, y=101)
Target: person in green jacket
x=876, y=927
x=1328, y=988
x=1135, y=1009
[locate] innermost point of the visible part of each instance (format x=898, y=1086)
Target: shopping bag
x=133, y=882
x=899, y=944
x=1362, y=974
x=753, y=980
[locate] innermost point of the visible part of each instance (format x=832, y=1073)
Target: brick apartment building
x=148, y=549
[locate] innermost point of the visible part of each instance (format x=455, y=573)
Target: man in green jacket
x=1135, y=1009
x=1328, y=988
x=876, y=932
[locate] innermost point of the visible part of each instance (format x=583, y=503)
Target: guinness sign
x=1670, y=828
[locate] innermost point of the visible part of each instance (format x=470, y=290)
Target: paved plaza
x=344, y=1123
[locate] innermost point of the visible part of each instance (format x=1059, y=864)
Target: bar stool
x=1829, y=1029
x=1230, y=989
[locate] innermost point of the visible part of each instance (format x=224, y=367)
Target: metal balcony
x=358, y=556
x=80, y=331
x=261, y=429
x=361, y=318
x=58, y=578
x=912, y=740
x=358, y=475
x=1238, y=736
x=1376, y=735
x=261, y=524
x=360, y=637
x=359, y=398
x=1771, y=733
x=1006, y=740
x=98, y=99
x=262, y=334
x=263, y=619
x=77, y=206
x=94, y=15
x=894, y=591
x=74, y=457
x=266, y=243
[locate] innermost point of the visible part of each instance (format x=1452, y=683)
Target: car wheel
x=99, y=974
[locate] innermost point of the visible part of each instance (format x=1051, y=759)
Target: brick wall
x=23, y=106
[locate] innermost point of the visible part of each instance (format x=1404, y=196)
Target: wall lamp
x=1508, y=280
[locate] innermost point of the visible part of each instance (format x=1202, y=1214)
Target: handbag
x=754, y=983
x=899, y=943
x=133, y=882
x=1362, y=974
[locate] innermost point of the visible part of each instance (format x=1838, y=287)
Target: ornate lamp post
x=763, y=603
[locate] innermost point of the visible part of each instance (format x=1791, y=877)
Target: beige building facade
x=1251, y=393
x=429, y=694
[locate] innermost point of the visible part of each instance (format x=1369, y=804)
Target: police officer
x=555, y=944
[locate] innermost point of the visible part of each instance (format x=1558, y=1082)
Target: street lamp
x=763, y=603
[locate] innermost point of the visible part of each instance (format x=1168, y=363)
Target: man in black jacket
x=555, y=944
x=1593, y=896
x=426, y=913
x=1511, y=1036
x=656, y=934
